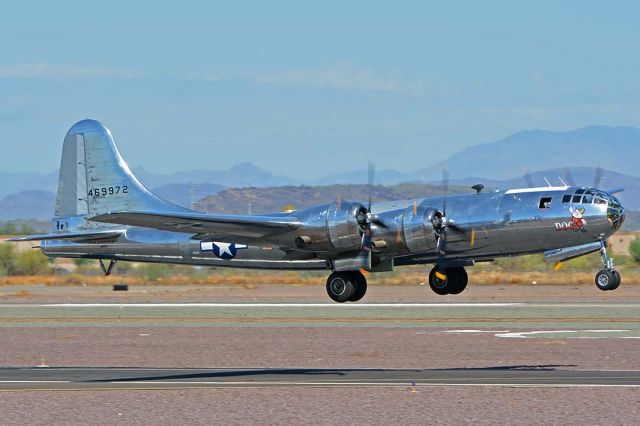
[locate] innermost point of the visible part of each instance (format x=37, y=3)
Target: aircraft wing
x=73, y=236
x=200, y=223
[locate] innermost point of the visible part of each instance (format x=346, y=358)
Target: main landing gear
x=608, y=278
x=346, y=286
x=454, y=282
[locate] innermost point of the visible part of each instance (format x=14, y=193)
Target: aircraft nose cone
x=615, y=213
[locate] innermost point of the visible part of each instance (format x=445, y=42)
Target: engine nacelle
x=336, y=227
x=417, y=226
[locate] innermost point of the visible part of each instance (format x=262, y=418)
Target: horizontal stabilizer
x=201, y=223
x=72, y=236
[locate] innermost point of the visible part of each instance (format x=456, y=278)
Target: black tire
x=618, y=280
x=340, y=286
x=440, y=287
x=605, y=280
x=462, y=281
x=361, y=286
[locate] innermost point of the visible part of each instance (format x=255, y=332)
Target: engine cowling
x=336, y=227
x=418, y=230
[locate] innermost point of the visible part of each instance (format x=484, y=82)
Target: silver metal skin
x=104, y=212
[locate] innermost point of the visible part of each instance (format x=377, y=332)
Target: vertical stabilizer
x=94, y=179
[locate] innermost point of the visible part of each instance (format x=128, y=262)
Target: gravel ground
x=310, y=293
x=274, y=406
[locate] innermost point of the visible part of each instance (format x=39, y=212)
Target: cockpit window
x=585, y=196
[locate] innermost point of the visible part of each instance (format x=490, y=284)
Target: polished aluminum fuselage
x=489, y=224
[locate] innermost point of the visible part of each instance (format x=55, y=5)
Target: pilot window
x=545, y=203
x=583, y=196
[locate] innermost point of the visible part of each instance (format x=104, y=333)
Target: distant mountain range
x=28, y=205
x=186, y=195
x=244, y=174
x=265, y=200
x=499, y=164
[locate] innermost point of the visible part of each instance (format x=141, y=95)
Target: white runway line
x=262, y=305
x=323, y=305
x=35, y=381
x=368, y=384
x=475, y=331
x=526, y=334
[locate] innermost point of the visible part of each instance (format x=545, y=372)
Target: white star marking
x=224, y=248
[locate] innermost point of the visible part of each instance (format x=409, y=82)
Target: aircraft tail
x=94, y=179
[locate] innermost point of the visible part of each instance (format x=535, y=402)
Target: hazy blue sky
x=309, y=87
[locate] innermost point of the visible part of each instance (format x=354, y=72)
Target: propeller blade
x=528, y=179
x=441, y=247
x=445, y=190
x=371, y=177
x=339, y=200
x=568, y=177
x=614, y=190
x=597, y=178
x=377, y=221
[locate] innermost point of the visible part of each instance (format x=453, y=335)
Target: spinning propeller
x=365, y=219
x=441, y=223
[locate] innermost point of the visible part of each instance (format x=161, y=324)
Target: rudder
x=95, y=179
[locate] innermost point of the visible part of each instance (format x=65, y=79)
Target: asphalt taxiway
x=186, y=378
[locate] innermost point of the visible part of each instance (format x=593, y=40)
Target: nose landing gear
x=608, y=278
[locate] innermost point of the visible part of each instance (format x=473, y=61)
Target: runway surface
x=17, y=379
x=552, y=316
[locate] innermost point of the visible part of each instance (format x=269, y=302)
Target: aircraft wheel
x=606, y=280
x=440, y=286
x=618, y=280
x=462, y=280
x=361, y=286
x=341, y=286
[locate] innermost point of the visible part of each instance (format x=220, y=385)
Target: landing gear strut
x=455, y=281
x=608, y=278
x=346, y=286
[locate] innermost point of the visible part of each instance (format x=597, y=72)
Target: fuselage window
x=545, y=203
x=566, y=198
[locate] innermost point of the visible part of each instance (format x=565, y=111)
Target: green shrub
x=31, y=262
x=7, y=259
x=634, y=250
x=532, y=262
x=153, y=271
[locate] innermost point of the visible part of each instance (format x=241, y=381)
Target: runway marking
x=475, y=331
x=262, y=305
x=525, y=334
x=530, y=334
x=35, y=381
x=123, y=386
x=323, y=305
x=296, y=319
